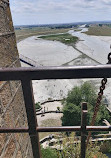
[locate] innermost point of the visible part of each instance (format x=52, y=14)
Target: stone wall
x=12, y=107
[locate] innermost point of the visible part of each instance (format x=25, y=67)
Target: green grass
x=76, y=30
x=25, y=33
x=49, y=153
x=37, y=106
x=49, y=123
x=99, y=31
x=64, y=38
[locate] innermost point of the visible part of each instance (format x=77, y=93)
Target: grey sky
x=59, y=11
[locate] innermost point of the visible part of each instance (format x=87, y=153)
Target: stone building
x=12, y=107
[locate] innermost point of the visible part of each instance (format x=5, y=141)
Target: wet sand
x=96, y=47
x=53, y=53
x=47, y=53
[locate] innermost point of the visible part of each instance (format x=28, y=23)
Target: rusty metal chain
x=98, y=102
x=96, y=109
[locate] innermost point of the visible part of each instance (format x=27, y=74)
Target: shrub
x=69, y=149
x=49, y=153
x=58, y=108
x=72, y=150
x=37, y=105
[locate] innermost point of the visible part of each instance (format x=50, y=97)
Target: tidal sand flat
x=53, y=89
x=47, y=53
x=53, y=53
x=96, y=47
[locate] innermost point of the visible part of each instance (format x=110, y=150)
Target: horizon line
x=102, y=21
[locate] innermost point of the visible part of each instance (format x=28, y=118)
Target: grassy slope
x=49, y=123
x=25, y=33
x=64, y=38
x=99, y=31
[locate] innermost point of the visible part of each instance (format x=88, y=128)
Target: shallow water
x=53, y=53
x=47, y=53
x=94, y=46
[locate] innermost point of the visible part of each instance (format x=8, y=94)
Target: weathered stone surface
x=10, y=149
x=12, y=107
x=19, y=154
x=5, y=94
x=3, y=139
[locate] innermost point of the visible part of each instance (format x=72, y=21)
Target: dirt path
x=48, y=107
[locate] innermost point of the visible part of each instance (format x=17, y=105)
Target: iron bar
x=83, y=129
x=14, y=130
x=42, y=73
x=98, y=128
x=57, y=129
x=31, y=116
x=73, y=128
x=63, y=72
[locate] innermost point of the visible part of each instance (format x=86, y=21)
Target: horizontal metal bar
x=98, y=128
x=73, y=128
x=59, y=129
x=56, y=129
x=14, y=130
x=63, y=72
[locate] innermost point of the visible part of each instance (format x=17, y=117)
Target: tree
x=72, y=106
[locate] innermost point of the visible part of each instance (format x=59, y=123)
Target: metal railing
x=26, y=75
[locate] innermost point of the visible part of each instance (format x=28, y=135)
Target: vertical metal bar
x=83, y=128
x=31, y=116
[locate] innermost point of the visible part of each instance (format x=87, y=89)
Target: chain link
x=99, y=98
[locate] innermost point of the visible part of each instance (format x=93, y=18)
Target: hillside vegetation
x=72, y=150
x=72, y=106
x=99, y=31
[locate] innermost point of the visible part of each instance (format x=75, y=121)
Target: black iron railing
x=26, y=75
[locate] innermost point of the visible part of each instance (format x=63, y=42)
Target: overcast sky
x=59, y=11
